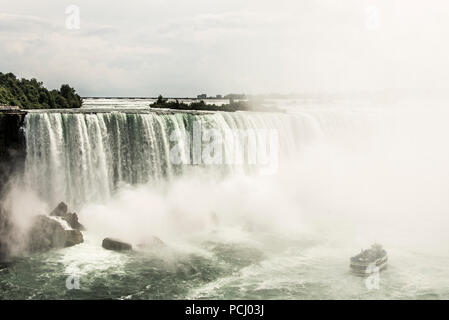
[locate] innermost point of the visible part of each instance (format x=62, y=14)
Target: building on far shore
x=202, y=96
x=219, y=96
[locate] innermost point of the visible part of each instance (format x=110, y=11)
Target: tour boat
x=369, y=261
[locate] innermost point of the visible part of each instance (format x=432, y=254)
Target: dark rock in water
x=74, y=237
x=114, y=244
x=12, y=145
x=152, y=243
x=72, y=218
x=60, y=210
x=47, y=233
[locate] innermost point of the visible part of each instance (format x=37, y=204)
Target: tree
x=31, y=94
x=160, y=100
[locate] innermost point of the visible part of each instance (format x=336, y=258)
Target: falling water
x=83, y=157
x=352, y=176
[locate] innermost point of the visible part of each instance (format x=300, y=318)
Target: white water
x=84, y=157
x=360, y=166
x=348, y=176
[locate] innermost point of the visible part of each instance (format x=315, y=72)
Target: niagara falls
x=224, y=159
x=226, y=229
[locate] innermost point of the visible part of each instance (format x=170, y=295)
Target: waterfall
x=86, y=156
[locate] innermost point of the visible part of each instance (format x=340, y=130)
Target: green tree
x=31, y=94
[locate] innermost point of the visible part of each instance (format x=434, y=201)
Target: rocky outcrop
x=12, y=160
x=51, y=232
x=74, y=237
x=12, y=144
x=5, y=231
x=48, y=233
x=116, y=245
x=72, y=220
x=153, y=243
x=61, y=210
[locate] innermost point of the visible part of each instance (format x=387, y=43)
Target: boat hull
x=361, y=268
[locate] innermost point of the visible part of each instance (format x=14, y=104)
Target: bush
x=232, y=106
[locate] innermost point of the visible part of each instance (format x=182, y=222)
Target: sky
x=184, y=48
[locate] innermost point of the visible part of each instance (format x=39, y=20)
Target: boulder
x=72, y=220
x=74, y=237
x=152, y=243
x=114, y=244
x=47, y=233
x=61, y=210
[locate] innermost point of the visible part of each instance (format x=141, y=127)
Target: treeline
x=235, y=96
x=31, y=94
x=202, y=106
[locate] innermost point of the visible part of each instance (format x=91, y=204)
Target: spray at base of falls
x=341, y=168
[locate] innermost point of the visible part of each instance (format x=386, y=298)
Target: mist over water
x=348, y=176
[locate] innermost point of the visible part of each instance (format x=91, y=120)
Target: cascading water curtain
x=82, y=157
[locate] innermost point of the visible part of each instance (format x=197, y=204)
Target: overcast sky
x=183, y=48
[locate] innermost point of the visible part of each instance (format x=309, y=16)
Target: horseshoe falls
x=83, y=157
x=345, y=176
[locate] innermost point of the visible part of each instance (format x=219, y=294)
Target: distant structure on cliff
x=9, y=108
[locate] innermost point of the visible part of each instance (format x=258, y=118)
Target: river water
x=347, y=175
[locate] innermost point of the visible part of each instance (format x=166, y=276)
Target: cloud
x=12, y=23
x=85, y=58
x=180, y=48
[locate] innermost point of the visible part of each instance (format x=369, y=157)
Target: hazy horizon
x=184, y=49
